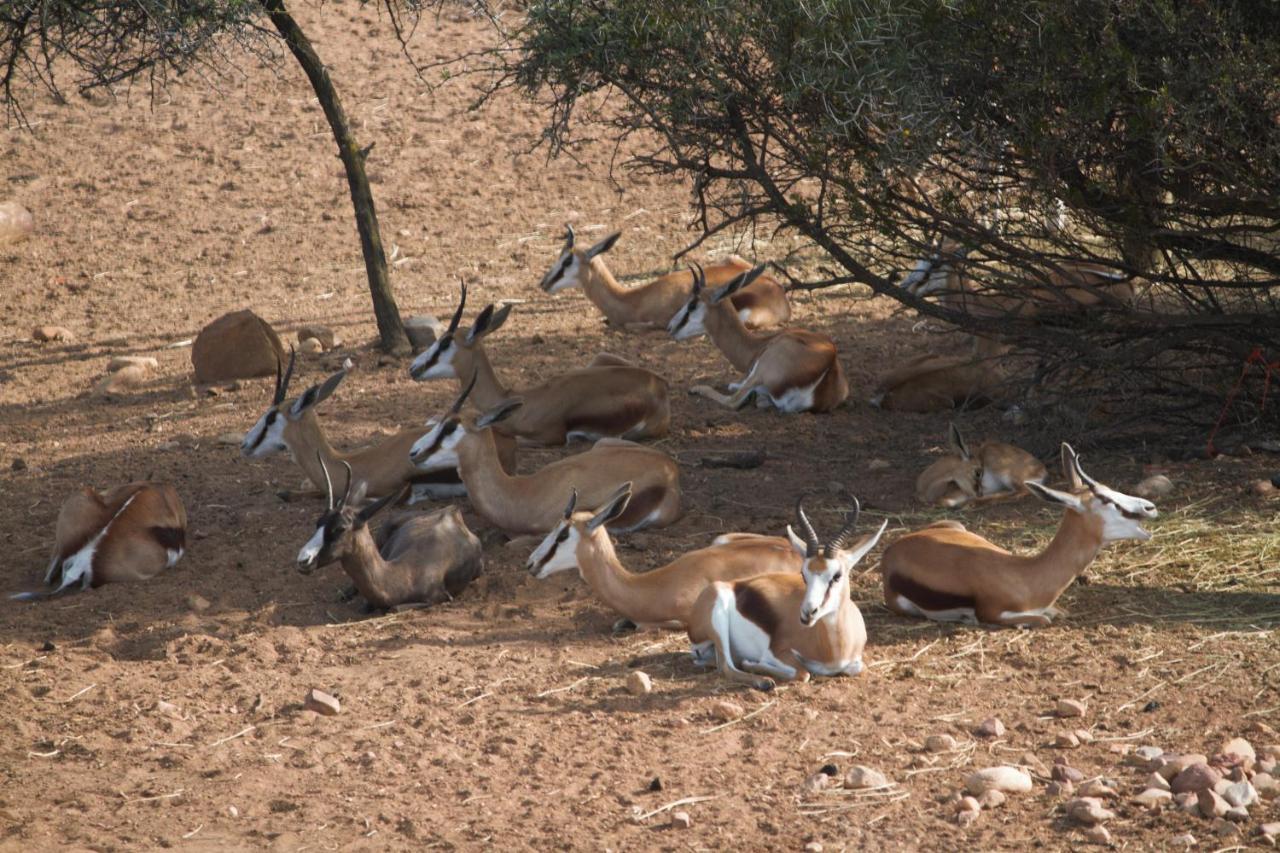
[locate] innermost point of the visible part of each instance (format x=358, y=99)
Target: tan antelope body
x=521, y=504
x=761, y=304
x=666, y=595
x=130, y=533
x=946, y=573
x=994, y=470
x=787, y=626
x=416, y=559
x=608, y=398
x=384, y=467
x=930, y=383
x=793, y=370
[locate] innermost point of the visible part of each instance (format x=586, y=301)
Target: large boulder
x=16, y=222
x=239, y=345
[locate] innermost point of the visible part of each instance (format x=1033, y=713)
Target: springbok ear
x=800, y=546
x=499, y=317
x=1054, y=496
x=957, y=443
x=737, y=283
x=358, y=494
x=481, y=325
x=613, y=508
x=854, y=555
x=604, y=245
x=1069, y=469
x=368, y=512
x=499, y=412
x=316, y=394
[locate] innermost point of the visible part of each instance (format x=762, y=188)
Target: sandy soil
x=502, y=718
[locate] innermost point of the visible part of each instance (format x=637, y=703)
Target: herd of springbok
x=759, y=608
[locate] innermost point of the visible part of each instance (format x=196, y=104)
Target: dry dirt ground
x=501, y=718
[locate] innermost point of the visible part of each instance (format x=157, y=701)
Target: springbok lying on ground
x=416, y=559
x=931, y=383
x=786, y=625
x=946, y=573
x=761, y=304
x=384, y=468
x=793, y=369
x=994, y=470
x=532, y=503
x=664, y=596
x=131, y=533
x=608, y=398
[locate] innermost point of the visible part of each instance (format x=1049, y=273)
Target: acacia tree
x=101, y=43
x=1143, y=135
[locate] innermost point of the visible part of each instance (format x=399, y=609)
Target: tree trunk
x=390, y=328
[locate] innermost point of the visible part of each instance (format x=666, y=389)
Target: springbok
x=608, y=398
x=383, y=468
x=786, y=625
x=415, y=560
x=931, y=383
x=664, y=596
x=793, y=369
x=995, y=470
x=761, y=304
x=946, y=573
x=131, y=533
x=531, y=503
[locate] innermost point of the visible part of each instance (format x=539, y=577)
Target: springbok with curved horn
x=995, y=470
x=531, y=503
x=663, y=596
x=787, y=626
x=761, y=304
x=608, y=398
x=793, y=370
x=946, y=573
x=383, y=467
x=416, y=559
x=131, y=533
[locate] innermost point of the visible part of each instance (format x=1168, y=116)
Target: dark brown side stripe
x=447, y=476
x=925, y=597
x=170, y=538
x=752, y=604
x=638, y=508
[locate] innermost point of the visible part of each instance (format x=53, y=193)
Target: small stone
x=1083, y=735
x=168, y=709
x=310, y=346
x=1143, y=756
x=1098, y=835
x=1188, y=802
x=813, y=847
x=1211, y=804
x=817, y=782
x=1070, y=708
x=990, y=727
x=422, y=331
x=1066, y=740
x=1257, y=727
x=940, y=743
x=1153, y=798
x=19, y=464
x=992, y=799
x=879, y=465
x=1238, y=814
x=1155, y=780
x=1184, y=840
x=967, y=818
x=124, y=379
x=1266, y=785
x=727, y=711
x=1060, y=789
x=16, y=222
x=968, y=804
x=1224, y=828
x=198, y=603
x=1239, y=747
x=45, y=334
x=655, y=785
x=1097, y=788
x=1088, y=810
x=639, y=683
x=322, y=703
x=1032, y=762
x=1004, y=778
x=233, y=811
x=1177, y=763
x=1240, y=794
x=1262, y=488
x=323, y=334
x=1272, y=829
x=230, y=438
x=1197, y=777
x=120, y=362
x=1154, y=487
x=1065, y=773
x=681, y=820
x=860, y=777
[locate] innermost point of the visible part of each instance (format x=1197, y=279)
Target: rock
x=310, y=347
x=1257, y=727
x=681, y=820
x=1196, y=777
x=1184, y=840
x=1211, y=804
x=967, y=818
x=1238, y=814
x=1066, y=740
x=233, y=811
x=322, y=703
x=45, y=334
x=638, y=683
x=168, y=709
x=1097, y=788
x=1143, y=756
x=119, y=362
x=1154, y=487
x=423, y=330
x=1065, y=773
x=1224, y=828
x=1060, y=789
x=1004, y=778
x=940, y=743
x=1239, y=751
x=968, y=804
x=992, y=798
x=1098, y=835
x=230, y=438
x=1033, y=762
x=123, y=380
x=1189, y=803
x=1240, y=794
x=323, y=334
x=1272, y=829
x=1155, y=780
x=813, y=847
x=1070, y=708
x=655, y=784
x=1266, y=785
x=1154, y=798
x=198, y=603
x=1083, y=735
x=817, y=782
x=1088, y=810
x=239, y=345
x=1176, y=764
x=861, y=777
x=990, y=727
x=879, y=465
x=727, y=711
x=16, y=223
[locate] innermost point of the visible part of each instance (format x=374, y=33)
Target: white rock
x=1071, y=708
x=1004, y=778
x=1240, y=794
x=16, y=222
x=1155, y=780
x=233, y=811
x=727, y=711
x=681, y=820
x=860, y=777
x=1098, y=835
x=1154, y=487
x=146, y=362
x=990, y=727
x=638, y=683
x=1154, y=798
x=322, y=703
x=1184, y=840
x=940, y=743
x=1088, y=810
x=992, y=798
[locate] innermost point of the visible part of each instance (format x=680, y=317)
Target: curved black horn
x=328, y=483
x=568, y=236
x=282, y=382
x=457, y=315
x=350, y=481
x=841, y=539
x=812, y=545
x=456, y=408
x=573, y=502
x=699, y=277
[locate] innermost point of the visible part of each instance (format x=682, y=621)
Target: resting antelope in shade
x=665, y=595
x=383, y=468
x=994, y=470
x=608, y=398
x=131, y=533
x=946, y=573
x=784, y=625
x=531, y=503
x=416, y=559
x=793, y=369
x=762, y=303
x=930, y=383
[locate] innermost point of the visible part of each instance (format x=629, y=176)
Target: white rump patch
x=174, y=555
x=797, y=399
x=1046, y=612
x=963, y=615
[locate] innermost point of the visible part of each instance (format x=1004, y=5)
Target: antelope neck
x=1073, y=548
x=308, y=438
x=489, y=390
x=741, y=346
x=494, y=493
x=602, y=288
x=366, y=568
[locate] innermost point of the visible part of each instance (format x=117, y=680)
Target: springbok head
x=691, y=320
x=1117, y=515
x=268, y=435
x=450, y=354
x=437, y=449
x=571, y=266
x=341, y=518
x=826, y=568
x=931, y=274
x=558, y=551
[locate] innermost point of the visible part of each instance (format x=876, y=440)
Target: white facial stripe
x=558, y=552
x=436, y=361
x=916, y=275
x=433, y=452
x=565, y=274
x=689, y=324
x=266, y=436
x=311, y=550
